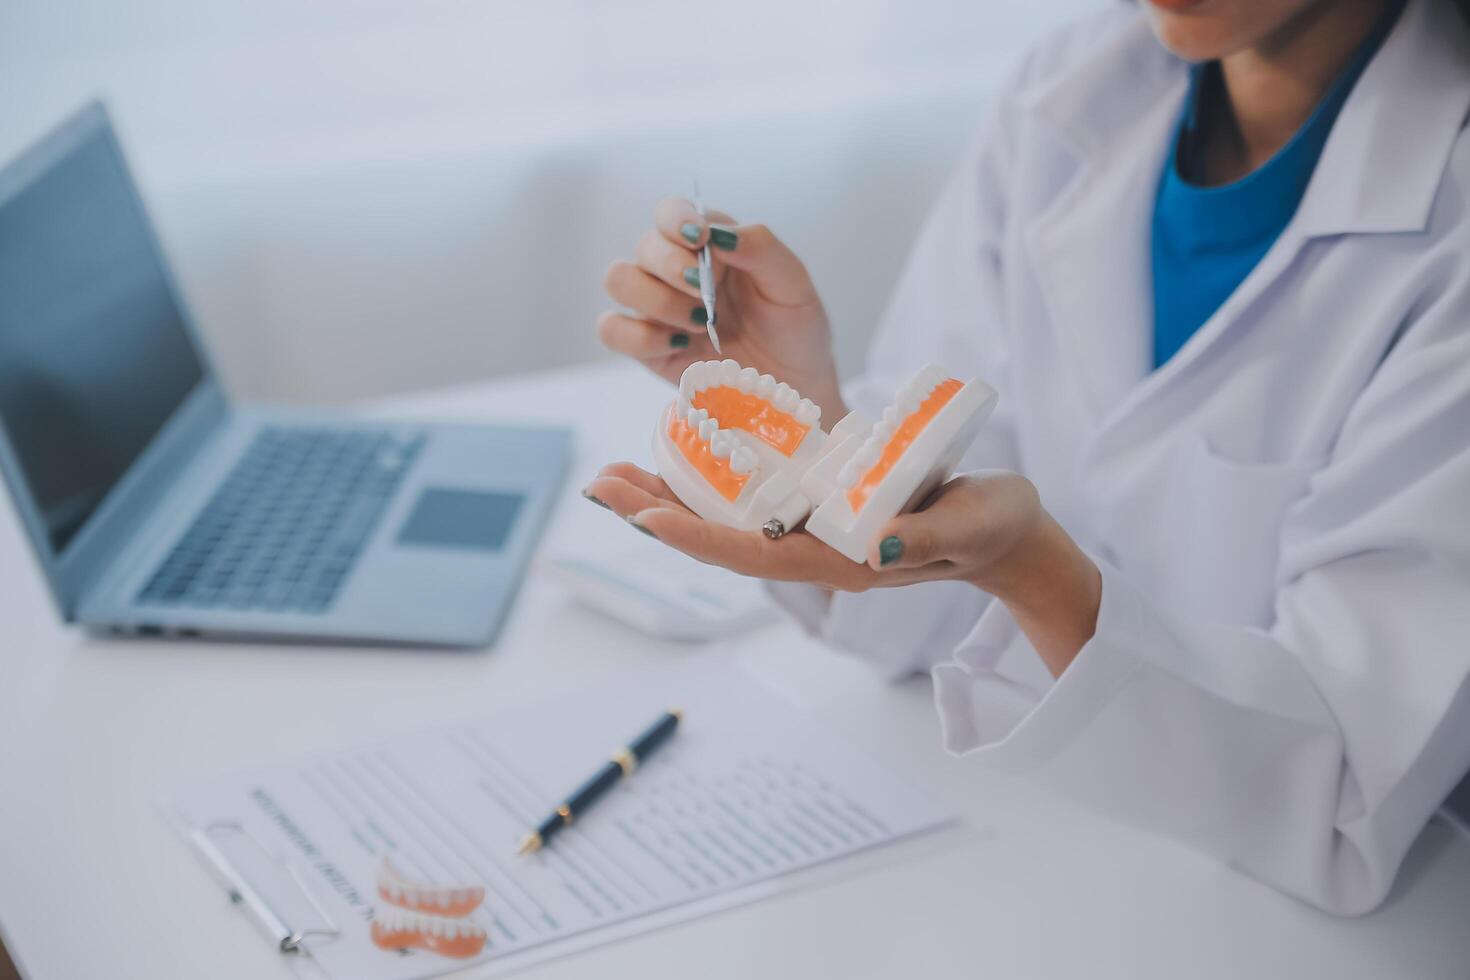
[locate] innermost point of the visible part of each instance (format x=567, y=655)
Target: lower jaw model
x=741, y=449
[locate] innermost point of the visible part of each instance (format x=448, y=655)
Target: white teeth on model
x=422, y=907
x=867, y=455
x=397, y=920
x=723, y=443
x=749, y=377
x=682, y=408
x=708, y=427
x=884, y=430
x=807, y=412
x=847, y=477
x=743, y=460
x=890, y=416
x=695, y=416
x=784, y=398
x=765, y=386
x=689, y=380
x=729, y=372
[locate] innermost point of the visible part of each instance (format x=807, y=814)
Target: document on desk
x=748, y=791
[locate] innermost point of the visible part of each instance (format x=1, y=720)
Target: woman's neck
x=1270, y=89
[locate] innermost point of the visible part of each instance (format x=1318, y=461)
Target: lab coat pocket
x=1224, y=521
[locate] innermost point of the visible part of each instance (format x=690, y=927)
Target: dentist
x=1208, y=568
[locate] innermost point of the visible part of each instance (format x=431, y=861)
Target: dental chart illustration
x=742, y=449
x=434, y=918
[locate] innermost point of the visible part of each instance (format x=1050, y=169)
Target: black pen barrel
x=588, y=793
x=657, y=735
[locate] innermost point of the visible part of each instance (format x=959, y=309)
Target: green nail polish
x=643, y=529
x=679, y=341
x=699, y=315
x=691, y=276
x=890, y=550
x=690, y=231
x=723, y=238
x=595, y=500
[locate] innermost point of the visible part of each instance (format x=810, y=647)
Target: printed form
x=748, y=790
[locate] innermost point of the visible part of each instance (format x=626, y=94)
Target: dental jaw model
x=739, y=448
x=435, y=918
x=872, y=472
x=735, y=444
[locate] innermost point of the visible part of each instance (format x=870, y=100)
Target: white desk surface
x=94, y=883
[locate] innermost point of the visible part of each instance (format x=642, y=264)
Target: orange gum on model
x=416, y=896
x=736, y=409
x=902, y=438
x=456, y=938
x=715, y=470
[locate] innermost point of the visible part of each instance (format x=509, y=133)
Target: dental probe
x=706, y=278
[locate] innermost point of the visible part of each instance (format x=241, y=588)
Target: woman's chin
x=1207, y=30
x=1188, y=31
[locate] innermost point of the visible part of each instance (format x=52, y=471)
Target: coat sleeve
x=947, y=309
x=1309, y=754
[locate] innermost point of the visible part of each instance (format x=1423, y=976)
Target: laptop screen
x=94, y=355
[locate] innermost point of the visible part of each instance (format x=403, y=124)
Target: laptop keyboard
x=282, y=532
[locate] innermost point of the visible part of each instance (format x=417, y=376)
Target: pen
x=621, y=765
x=706, y=279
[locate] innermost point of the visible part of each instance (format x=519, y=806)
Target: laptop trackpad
x=475, y=519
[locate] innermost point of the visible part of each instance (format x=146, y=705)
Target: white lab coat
x=1281, y=512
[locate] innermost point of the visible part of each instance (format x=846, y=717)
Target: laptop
x=158, y=507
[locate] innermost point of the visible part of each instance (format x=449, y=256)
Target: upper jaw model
x=741, y=449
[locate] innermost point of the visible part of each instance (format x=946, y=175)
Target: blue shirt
x=1206, y=240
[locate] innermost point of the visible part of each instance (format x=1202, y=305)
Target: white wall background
x=363, y=196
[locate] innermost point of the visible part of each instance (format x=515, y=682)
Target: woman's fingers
x=651, y=341
x=778, y=274
x=649, y=482
x=644, y=499
x=969, y=522
x=661, y=258
x=795, y=557
x=678, y=221
x=624, y=498
x=739, y=551
x=636, y=289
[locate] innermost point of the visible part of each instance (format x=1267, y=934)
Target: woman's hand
x=988, y=529
x=767, y=310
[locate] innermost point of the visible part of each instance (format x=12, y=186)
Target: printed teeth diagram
x=428, y=917
x=739, y=448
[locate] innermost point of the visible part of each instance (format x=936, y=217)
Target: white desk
x=94, y=884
